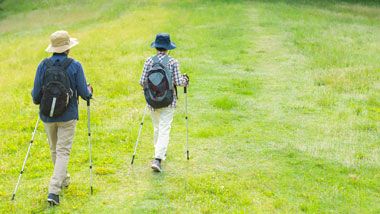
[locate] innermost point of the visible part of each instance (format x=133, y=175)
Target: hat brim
x=171, y=46
x=61, y=49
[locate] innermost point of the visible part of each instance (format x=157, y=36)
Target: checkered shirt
x=177, y=78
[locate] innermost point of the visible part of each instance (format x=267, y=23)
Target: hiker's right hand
x=186, y=78
x=90, y=88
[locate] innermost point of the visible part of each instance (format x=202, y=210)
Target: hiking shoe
x=53, y=199
x=156, y=166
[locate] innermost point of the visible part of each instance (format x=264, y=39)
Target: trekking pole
x=89, y=140
x=22, y=170
x=137, y=141
x=187, y=132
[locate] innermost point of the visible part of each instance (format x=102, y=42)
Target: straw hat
x=61, y=42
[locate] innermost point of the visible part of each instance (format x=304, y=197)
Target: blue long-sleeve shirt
x=78, y=85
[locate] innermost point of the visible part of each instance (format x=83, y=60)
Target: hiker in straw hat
x=60, y=74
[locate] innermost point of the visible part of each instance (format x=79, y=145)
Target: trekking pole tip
x=133, y=158
x=13, y=197
x=187, y=154
x=92, y=191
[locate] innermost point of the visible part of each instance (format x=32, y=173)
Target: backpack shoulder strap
x=167, y=71
x=155, y=59
x=66, y=63
x=48, y=62
x=165, y=60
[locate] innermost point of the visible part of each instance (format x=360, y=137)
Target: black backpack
x=56, y=90
x=158, y=88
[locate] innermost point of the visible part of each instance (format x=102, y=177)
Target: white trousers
x=162, y=119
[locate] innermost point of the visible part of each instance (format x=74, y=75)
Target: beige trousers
x=61, y=137
x=162, y=119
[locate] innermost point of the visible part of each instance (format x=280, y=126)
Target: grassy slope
x=283, y=108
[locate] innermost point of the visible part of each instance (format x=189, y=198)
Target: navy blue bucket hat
x=163, y=41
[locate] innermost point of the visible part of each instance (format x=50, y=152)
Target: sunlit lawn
x=283, y=107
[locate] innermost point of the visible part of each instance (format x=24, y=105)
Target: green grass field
x=284, y=106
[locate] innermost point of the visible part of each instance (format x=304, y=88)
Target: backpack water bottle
x=158, y=89
x=56, y=91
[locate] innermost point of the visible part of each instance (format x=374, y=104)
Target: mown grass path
x=282, y=107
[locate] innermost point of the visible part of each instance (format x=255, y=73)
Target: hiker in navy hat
x=159, y=79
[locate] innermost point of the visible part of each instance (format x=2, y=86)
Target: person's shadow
x=155, y=196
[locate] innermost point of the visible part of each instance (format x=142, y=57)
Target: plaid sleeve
x=178, y=78
x=144, y=75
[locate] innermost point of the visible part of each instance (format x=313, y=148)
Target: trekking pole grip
x=185, y=90
x=88, y=99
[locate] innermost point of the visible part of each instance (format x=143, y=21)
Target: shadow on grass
x=155, y=198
